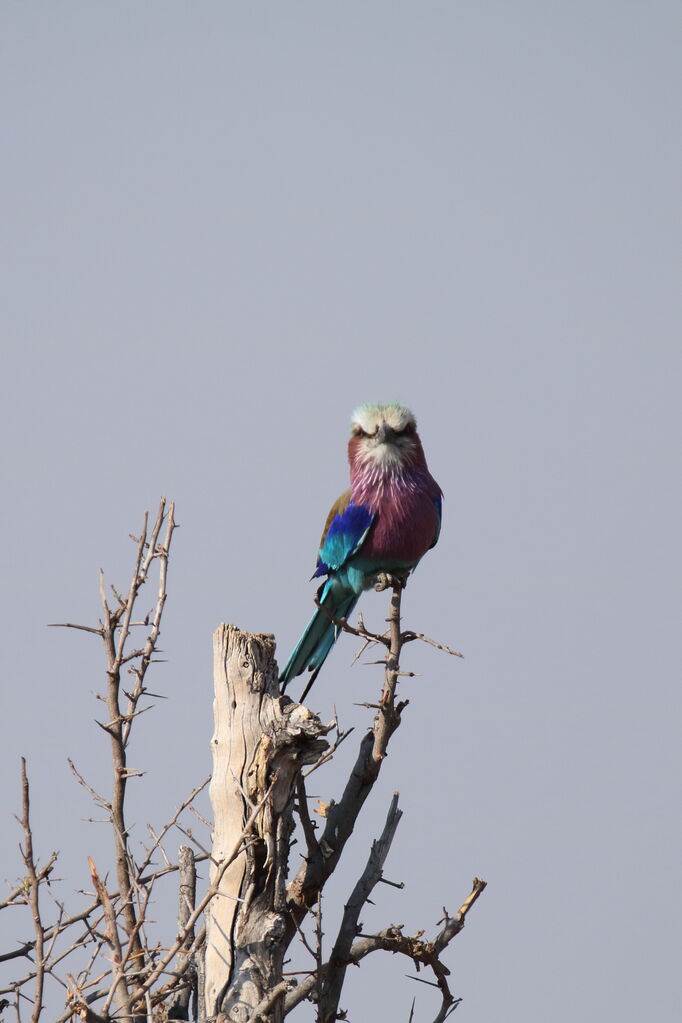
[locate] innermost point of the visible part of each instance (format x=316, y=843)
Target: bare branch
x=409, y=636
x=100, y=800
x=453, y=925
x=306, y=822
x=329, y=753
x=121, y=973
x=360, y=631
x=33, y=896
x=18, y=895
x=71, y=625
x=170, y=824
x=341, y=816
x=187, y=899
x=261, y=1011
x=420, y=952
x=335, y=972
x=119, y=987
x=153, y=976
x=115, y=631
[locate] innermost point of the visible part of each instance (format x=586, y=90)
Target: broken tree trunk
x=260, y=743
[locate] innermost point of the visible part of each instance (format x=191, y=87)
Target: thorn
x=421, y=980
x=393, y=884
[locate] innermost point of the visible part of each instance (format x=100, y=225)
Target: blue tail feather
x=314, y=645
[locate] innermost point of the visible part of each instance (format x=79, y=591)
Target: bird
x=383, y=524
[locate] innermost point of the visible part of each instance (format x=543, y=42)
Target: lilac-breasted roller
x=385, y=523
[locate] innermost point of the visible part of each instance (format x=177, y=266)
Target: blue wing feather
x=344, y=533
x=347, y=527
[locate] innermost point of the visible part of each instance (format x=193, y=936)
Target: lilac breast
x=405, y=526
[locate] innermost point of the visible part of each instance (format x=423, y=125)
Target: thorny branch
x=335, y=973
x=115, y=630
x=323, y=852
x=159, y=969
x=323, y=856
x=139, y=976
x=391, y=939
x=33, y=883
x=115, y=920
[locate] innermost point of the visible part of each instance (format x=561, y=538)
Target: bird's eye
x=358, y=431
x=408, y=430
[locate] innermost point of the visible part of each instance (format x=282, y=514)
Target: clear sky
x=224, y=225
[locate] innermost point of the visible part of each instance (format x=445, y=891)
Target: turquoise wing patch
x=345, y=535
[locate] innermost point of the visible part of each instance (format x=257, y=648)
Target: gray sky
x=227, y=224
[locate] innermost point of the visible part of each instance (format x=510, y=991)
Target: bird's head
x=384, y=437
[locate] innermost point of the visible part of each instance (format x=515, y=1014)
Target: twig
x=71, y=625
x=200, y=816
x=20, y=893
x=311, y=842
x=307, y=946
x=409, y=636
x=318, y=948
x=100, y=800
x=271, y=998
x=328, y=753
x=360, y=631
x=393, y=884
x=83, y=916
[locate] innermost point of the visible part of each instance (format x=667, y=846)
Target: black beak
x=384, y=434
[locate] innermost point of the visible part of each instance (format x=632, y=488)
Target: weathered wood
x=260, y=742
x=186, y=900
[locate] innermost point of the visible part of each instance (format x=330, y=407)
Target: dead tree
x=262, y=742
x=226, y=960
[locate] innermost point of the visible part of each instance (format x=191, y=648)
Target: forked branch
x=420, y=952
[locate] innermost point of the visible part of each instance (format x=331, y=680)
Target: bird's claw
x=387, y=580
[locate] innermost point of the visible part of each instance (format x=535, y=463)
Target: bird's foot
x=387, y=580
